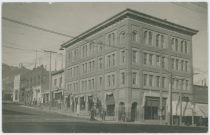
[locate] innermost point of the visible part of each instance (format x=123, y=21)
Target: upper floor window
x=176, y=45
x=123, y=77
x=158, y=81
x=55, y=82
x=150, y=80
x=134, y=78
x=122, y=37
x=100, y=63
x=145, y=58
x=158, y=60
x=157, y=40
x=134, y=56
x=134, y=36
x=146, y=37
x=185, y=46
x=123, y=56
x=162, y=41
x=163, y=82
x=145, y=79
x=60, y=82
x=150, y=37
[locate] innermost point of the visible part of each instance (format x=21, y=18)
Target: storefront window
x=152, y=108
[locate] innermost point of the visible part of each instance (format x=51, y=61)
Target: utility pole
x=50, y=80
x=36, y=59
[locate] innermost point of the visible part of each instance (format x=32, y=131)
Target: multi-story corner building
x=58, y=85
x=126, y=63
x=35, y=86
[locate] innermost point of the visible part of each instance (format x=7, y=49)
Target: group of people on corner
x=97, y=112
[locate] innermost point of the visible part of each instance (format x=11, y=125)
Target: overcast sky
x=75, y=18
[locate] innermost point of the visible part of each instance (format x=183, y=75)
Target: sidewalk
x=87, y=117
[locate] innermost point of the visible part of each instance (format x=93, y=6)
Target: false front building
x=125, y=64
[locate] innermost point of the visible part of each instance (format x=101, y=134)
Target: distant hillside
x=8, y=70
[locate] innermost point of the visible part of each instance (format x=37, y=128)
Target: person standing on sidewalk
x=78, y=110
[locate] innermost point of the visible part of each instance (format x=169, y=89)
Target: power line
x=36, y=27
x=54, y=32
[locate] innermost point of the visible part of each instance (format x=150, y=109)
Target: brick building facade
x=125, y=64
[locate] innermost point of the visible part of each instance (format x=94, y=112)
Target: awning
x=186, y=108
x=201, y=110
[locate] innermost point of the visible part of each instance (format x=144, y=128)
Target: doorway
x=134, y=111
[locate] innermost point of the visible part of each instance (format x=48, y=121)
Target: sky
x=75, y=18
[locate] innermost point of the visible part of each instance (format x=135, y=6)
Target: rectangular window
x=182, y=65
x=163, y=62
x=150, y=80
x=172, y=63
x=158, y=60
x=145, y=79
x=113, y=80
x=113, y=59
x=186, y=66
x=55, y=82
x=163, y=82
x=109, y=60
x=89, y=84
x=100, y=63
x=145, y=58
x=90, y=67
x=177, y=64
x=60, y=82
x=93, y=83
x=134, y=56
x=187, y=85
x=100, y=80
x=109, y=80
x=177, y=84
x=158, y=81
x=150, y=59
x=134, y=78
x=93, y=65
x=123, y=77
x=123, y=56
x=162, y=41
x=185, y=46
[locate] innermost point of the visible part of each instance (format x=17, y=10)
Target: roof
x=128, y=13
x=58, y=72
x=200, y=94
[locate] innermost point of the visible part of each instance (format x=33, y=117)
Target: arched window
x=157, y=40
x=134, y=36
x=145, y=37
x=150, y=38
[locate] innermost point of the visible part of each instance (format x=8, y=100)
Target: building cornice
x=128, y=13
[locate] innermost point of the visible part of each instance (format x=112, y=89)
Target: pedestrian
x=123, y=116
x=92, y=113
x=78, y=109
x=103, y=114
